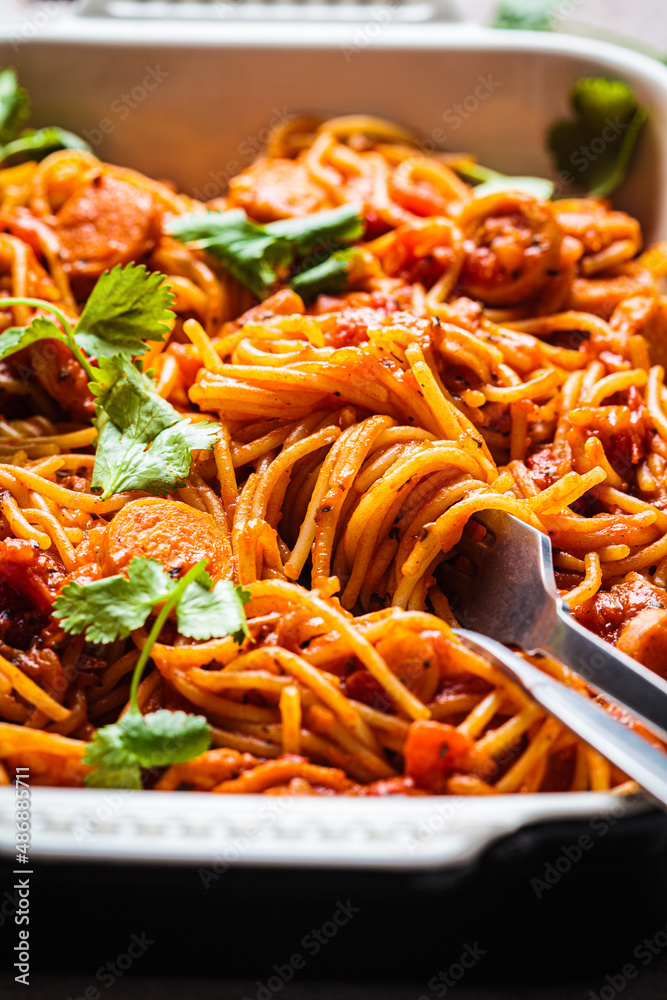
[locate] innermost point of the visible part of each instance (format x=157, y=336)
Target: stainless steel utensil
x=509, y=594
x=623, y=747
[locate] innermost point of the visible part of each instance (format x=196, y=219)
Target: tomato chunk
x=432, y=751
x=29, y=581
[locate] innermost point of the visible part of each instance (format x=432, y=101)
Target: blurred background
x=641, y=23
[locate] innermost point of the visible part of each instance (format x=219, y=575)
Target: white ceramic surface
x=214, y=831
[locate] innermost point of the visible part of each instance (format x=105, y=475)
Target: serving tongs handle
x=634, y=755
x=512, y=596
x=624, y=681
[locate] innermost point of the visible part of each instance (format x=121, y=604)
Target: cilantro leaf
x=14, y=105
x=129, y=400
x=595, y=98
x=123, y=462
x=40, y=328
x=37, y=143
x=16, y=338
x=524, y=15
x=14, y=110
x=593, y=149
x=117, y=461
x=202, y=611
x=338, y=225
x=111, y=608
x=329, y=277
x=107, y=776
x=197, y=436
x=163, y=737
x=248, y=252
x=128, y=306
x=115, y=765
x=143, y=442
x=258, y=256
x=118, y=751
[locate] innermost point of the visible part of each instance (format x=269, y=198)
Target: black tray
x=537, y=905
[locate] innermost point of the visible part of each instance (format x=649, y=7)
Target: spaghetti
x=491, y=352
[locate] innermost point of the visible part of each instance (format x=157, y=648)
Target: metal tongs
x=508, y=596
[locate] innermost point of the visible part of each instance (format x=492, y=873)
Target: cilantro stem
x=170, y=603
x=618, y=174
x=40, y=304
x=476, y=172
x=67, y=329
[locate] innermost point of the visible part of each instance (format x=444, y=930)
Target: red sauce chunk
x=432, y=751
x=608, y=612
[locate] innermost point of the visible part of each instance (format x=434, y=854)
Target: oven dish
x=127, y=804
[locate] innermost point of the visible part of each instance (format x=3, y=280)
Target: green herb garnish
x=330, y=277
x=593, y=149
x=334, y=226
x=14, y=106
x=127, y=307
x=524, y=15
x=248, y=252
x=109, y=609
x=143, y=442
x=123, y=303
x=33, y=144
x=259, y=256
x=493, y=182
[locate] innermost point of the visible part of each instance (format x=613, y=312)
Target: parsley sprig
x=109, y=609
x=143, y=442
x=259, y=256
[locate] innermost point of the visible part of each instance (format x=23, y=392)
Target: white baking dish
x=191, y=101
x=216, y=831
x=216, y=85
